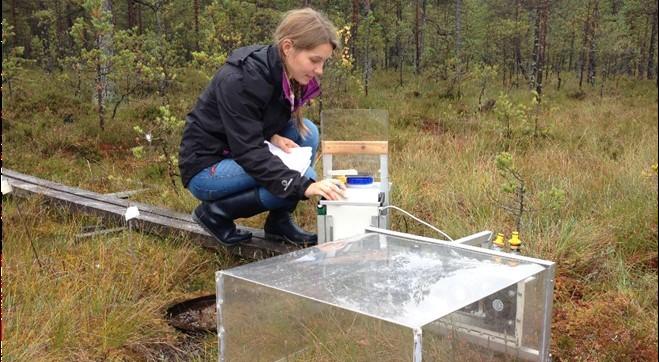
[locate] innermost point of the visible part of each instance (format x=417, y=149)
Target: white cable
x=416, y=218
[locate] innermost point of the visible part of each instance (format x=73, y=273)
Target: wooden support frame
x=355, y=147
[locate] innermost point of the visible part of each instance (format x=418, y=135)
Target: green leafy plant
x=44, y=44
x=509, y=115
x=518, y=120
x=514, y=187
x=208, y=62
x=516, y=200
x=157, y=63
x=484, y=74
x=96, y=56
x=162, y=137
x=12, y=57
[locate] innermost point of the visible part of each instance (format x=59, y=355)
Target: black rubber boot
x=280, y=226
x=216, y=217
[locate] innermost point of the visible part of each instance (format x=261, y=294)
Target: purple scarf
x=309, y=92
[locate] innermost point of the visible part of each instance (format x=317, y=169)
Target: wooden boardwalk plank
x=152, y=219
x=104, y=197
x=126, y=194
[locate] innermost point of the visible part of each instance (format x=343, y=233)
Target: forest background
x=535, y=116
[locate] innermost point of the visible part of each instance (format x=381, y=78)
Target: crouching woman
x=256, y=96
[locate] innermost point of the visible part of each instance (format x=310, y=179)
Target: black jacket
x=241, y=107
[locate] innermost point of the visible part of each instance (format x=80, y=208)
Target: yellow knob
x=514, y=240
x=498, y=241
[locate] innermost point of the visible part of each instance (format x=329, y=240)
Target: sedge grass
x=598, y=150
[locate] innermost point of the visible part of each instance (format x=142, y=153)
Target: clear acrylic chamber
x=386, y=296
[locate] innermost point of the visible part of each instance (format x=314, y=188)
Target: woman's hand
x=328, y=188
x=284, y=143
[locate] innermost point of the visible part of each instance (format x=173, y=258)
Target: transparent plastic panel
x=355, y=125
x=266, y=324
x=506, y=325
x=538, y=293
x=403, y=281
x=258, y=323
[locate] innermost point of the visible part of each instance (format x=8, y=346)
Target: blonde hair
x=306, y=28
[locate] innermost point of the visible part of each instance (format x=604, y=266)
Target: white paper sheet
x=132, y=212
x=6, y=187
x=299, y=159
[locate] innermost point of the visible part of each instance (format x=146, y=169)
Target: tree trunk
x=106, y=46
x=196, y=24
x=140, y=25
x=367, y=46
x=130, y=14
x=592, y=64
x=399, y=44
x=113, y=18
x=104, y=88
x=640, y=66
x=585, y=45
x=517, y=46
x=559, y=80
x=456, y=87
x=546, y=64
x=69, y=21
x=387, y=49
x=43, y=29
x=419, y=29
x=423, y=27
x=458, y=28
x=570, y=62
x=15, y=22
x=504, y=61
x=100, y=101
x=543, y=16
x=536, y=44
x=60, y=31
x=417, y=35
x=355, y=28
x=653, y=42
x=160, y=27
x=605, y=67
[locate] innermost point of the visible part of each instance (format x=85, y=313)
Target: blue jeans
x=227, y=177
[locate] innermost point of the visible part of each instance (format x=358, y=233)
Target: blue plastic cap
x=359, y=180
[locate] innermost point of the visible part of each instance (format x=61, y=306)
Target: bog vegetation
x=534, y=116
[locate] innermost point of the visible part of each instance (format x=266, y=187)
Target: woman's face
x=303, y=65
